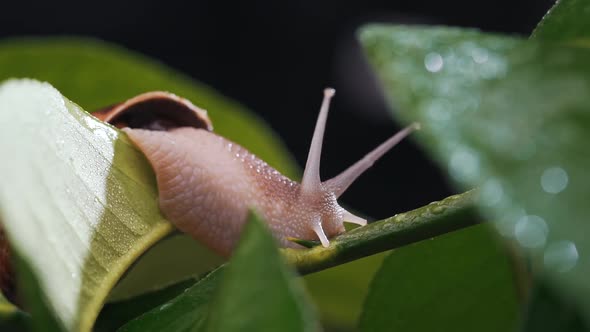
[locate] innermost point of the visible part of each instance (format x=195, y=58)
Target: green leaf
x=568, y=21
x=96, y=74
x=460, y=281
x=549, y=312
x=255, y=292
x=186, y=312
x=339, y=292
x=509, y=115
x=78, y=202
x=273, y=299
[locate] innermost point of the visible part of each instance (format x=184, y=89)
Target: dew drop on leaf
x=433, y=62
x=531, y=231
x=561, y=256
x=554, y=180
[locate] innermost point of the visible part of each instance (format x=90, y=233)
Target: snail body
x=207, y=184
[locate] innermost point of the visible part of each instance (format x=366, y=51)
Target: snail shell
x=207, y=184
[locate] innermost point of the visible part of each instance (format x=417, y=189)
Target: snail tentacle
x=341, y=182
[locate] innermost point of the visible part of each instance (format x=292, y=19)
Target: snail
x=207, y=184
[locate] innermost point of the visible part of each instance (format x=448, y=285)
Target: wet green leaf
x=460, y=281
x=567, y=21
x=510, y=116
x=77, y=202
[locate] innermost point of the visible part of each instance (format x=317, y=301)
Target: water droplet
x=165, y=305
x=479, y=55
x=438, y=209
x=554, y=180
x=561, y=256
x=464, y=165
x=491, y=192
x=531, y=231
x=433, y=62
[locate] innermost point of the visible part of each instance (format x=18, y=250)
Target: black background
x=276, y=57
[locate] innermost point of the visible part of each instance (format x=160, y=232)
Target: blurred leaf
x=548, y=312
x=511, y=116
x=273, y=299
x=568, y=20
x=460, y=281
x=339, y=292
x=95, y=74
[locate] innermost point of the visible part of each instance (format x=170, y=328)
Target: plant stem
x=437, y=218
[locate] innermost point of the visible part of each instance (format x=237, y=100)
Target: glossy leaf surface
x=508, y=115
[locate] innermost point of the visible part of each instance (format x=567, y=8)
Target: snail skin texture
x=207, y=184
